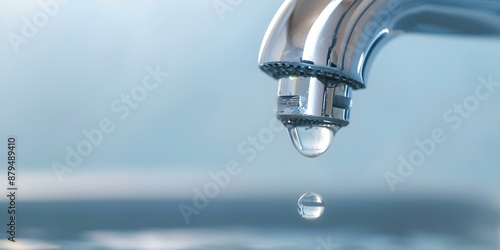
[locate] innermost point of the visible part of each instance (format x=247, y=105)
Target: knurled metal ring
x=305, y=69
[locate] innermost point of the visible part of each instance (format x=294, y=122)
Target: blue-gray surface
x=370, y=223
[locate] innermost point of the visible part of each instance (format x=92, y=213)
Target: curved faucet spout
x=341, y=34
x=320, y=49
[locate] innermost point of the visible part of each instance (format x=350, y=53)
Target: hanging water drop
x=310, y=206
x=312, y=141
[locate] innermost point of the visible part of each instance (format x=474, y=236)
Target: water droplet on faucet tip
x=312, y=141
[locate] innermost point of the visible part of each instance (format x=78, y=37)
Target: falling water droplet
x=310, y=206
x=312, y=141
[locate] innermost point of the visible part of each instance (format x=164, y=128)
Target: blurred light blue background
x=64, y=79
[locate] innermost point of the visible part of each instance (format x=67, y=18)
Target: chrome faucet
x=320, y=50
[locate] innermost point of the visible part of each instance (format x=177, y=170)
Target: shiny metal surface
x=306, y=100
x=320, y=49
